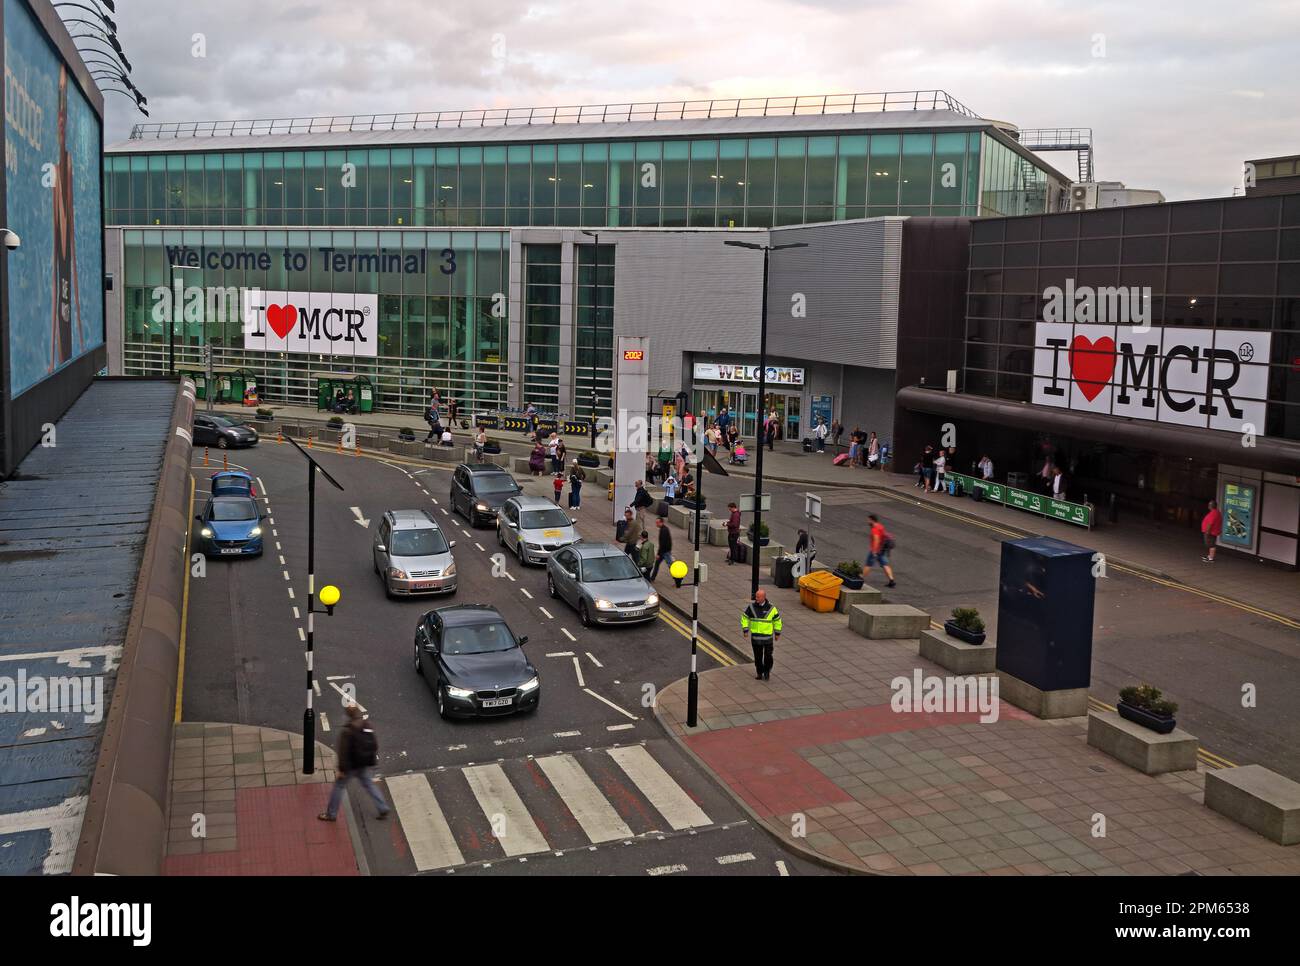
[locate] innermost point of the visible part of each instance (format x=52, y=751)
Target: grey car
x=413, y=555
x=534, y=528
x=602, y=583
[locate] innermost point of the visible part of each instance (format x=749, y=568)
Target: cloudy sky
x=1177, y=94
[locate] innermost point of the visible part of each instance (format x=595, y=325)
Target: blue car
x=232, y=483
x=230, y=526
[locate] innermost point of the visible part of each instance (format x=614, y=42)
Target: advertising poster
x=1238, y=515
x=52, y=170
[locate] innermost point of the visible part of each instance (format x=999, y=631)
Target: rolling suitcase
x=807, y=444
x=841, y=459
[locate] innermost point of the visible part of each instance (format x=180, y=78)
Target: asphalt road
x=1200, y=652
x=588, y=784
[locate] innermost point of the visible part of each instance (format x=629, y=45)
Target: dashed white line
x=349, y=698
x=511, y=576
x=263, y=486
x=738, y=857
x=480, y=547
x=546, y=612
x=443, y=509
x=622, y=727
x=457, y=747
x=577, y=666
x=295, y=614
x=271, y=520
x=339, y=677
x=281, y=560
x=565, y=632
x=291, y=593
x=524, y=591
x=302, y=635
x=507, y=741
x=315, y=686
x=286, y=575
x=781, y=869
x=593, y=659
x=666, y=869
x=566, y=734
x=275, y=533
x=559, y=654
x=324, y=721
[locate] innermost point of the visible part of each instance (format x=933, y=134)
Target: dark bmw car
x=222, y=432
x=474, y=663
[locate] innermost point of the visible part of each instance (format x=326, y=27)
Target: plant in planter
x=849, y=571
x=335, y=422
x=1144, y=705
x=965, y=625
x=406, y=434
x=264, y=414
x=764, y=535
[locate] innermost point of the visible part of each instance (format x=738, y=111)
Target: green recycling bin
x=364, y=393
x=200, y=382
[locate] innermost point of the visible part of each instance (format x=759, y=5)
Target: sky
x=1178, y=95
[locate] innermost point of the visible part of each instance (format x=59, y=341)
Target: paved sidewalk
x=923, y=793
x=259, y=808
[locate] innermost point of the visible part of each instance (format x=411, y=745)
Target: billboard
x=52, y=179
x=323, y=323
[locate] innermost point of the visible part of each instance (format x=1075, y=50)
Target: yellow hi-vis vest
x=761, y=624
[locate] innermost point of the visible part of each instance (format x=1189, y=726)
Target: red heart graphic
x=281, y=318
x=1092, y=364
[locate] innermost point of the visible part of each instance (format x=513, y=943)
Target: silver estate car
x=413, y=555
x=602, y=583
x=534, y=528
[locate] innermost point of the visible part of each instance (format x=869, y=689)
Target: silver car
x=534, y=528
x=603, y=583
x=412, y=555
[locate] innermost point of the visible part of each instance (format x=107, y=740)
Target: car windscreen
x=223, y=421
x=417, y=543
x=494, y=484
x=477, y=639
x=542, y=519
x=613, y=567
x=225, y=510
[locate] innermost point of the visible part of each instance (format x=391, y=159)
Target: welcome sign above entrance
x=1193, y=377
x=776, y=375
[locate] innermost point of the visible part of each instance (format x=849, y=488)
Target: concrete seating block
x=849, y=598
x=400, y=447
x=603, y=475
x=958, y=656
x=685, y=518
x=519, y=464
x=443, y=454
x=1262, y=800
x=1066, y=703
x=717, y=532
x=765, y=554
x=821, y=566
x=1139, y=747
x=887, y=621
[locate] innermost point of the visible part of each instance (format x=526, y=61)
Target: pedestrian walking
x=358, y=751
x=623, y=529
x=640, y=500
x=761, y=623
x=733, y=534
x=577, y=476
x=670, y=490
x=645, y=554
x=431, y=417
x=881, y=543
x=1211, y=528
x=665, y=547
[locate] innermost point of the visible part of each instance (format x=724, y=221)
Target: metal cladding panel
x=689, y=292
x=848, y=278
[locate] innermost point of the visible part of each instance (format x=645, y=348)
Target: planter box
x=850, y=598
x=1139, y=747
x=966, y=637
x=1262, y=800
x=442, y=454
x=957, y=656
x=1160, y=724
x=887, y=621
x=850, y=583
x=590, y=462
x=1065, y=703
x=765, y=554
x=400, y=448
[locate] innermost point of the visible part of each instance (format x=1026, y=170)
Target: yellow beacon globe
x=329, y=595
x=679, y=569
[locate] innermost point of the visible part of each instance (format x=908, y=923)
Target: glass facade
x=445, y=326
x=727, y=182
x=1220, y=264
x=593, y=374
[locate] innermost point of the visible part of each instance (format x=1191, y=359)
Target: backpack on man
x=364, y=747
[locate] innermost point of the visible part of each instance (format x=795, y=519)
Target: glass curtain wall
x=594, y=359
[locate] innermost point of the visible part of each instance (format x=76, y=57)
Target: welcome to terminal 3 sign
x=1192, y=377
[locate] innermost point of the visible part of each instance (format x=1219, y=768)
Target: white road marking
x=666, y=869
x=511, y=576
x=281, y=560
x=275, y=533
x=671, y=800
x=781, y=869
x=611, y=704
x=738, y=857
x=593, y=659
x=434, y=499
x=271, y=520
x=584, y=800
x=315, y=685
x=480, y=547
x=339, y=677
x=622, y=727
x=427, y=833
x=565, y=632
x=302, y=635
x=559, y=654
x=263, y=486
x=497, y=797
x=566, y=734
x=324, y=721
x=457, y=747
x=524, y=591
x=546, y=612
x=291, y=593
x=349, y=699
x=277, y=545
x=286, y=575
x=443, y=509
x=577, y=666
x=295, y=614
x=63, y=821
x=506, y=741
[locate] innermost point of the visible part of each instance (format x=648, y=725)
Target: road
x=588, y=784
x=1199, y=651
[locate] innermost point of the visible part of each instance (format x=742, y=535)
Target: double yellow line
x=714, y=651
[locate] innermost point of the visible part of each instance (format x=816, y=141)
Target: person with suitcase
x=358, y=751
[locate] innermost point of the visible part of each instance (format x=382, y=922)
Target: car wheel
x=418, y=668
x=519, y=552
x=223, y=443
x=442, y=704
x=550, y=586
x=388, y=589
x=584, y=615
x=501, y=541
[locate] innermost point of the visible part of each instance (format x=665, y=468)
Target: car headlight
x=396, y=574
x=603, y=604
x=450, y=571
x=255, y=532
x=652, y=600
x=481, y=507
x=459, y=692
x=534, y=546
x=206, y=531
x=531, y=685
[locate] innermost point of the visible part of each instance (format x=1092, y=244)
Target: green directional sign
x=1076, y=513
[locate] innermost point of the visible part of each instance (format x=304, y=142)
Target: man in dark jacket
x=640, y=500
x=624, y=528
x=665, y=547
x=358, y=749
x=733, y=534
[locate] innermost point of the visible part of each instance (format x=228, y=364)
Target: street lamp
x=706, y=462
x=595, y=308
x=329, y=597
x=762, y=401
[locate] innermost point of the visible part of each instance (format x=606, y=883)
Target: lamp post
x=595, y=308
x=706, y=463
x=309, y=715
x=762, y=401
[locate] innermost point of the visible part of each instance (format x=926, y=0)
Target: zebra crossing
x=479, y=813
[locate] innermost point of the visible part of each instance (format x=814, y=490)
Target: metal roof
x=73, y=524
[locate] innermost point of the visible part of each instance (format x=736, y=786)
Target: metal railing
x=572, y=114
x=1077, y=139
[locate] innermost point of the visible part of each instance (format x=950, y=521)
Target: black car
x=222, y=432
x=474, y=663
x=479, y=489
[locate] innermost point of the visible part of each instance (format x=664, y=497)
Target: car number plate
x=232, y=549
x=497, y=702
x=633, y=613
x=423, y=585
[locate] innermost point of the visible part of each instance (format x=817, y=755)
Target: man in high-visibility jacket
x=761, y=623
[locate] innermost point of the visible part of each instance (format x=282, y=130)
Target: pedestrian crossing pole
x=693, y=682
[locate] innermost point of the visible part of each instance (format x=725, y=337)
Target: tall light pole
x=595, y=308
x=309, y=715
x=762, y=403
x=708, y=463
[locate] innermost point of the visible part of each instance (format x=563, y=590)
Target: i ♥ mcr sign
x=324, y=323
x=1192, y=377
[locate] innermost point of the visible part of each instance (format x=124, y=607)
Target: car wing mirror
x=451, y=543
x=523, y=640
x=199, y=517
x=381, y=548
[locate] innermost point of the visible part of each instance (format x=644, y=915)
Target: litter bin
x=783, y=571
x=819, y=590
